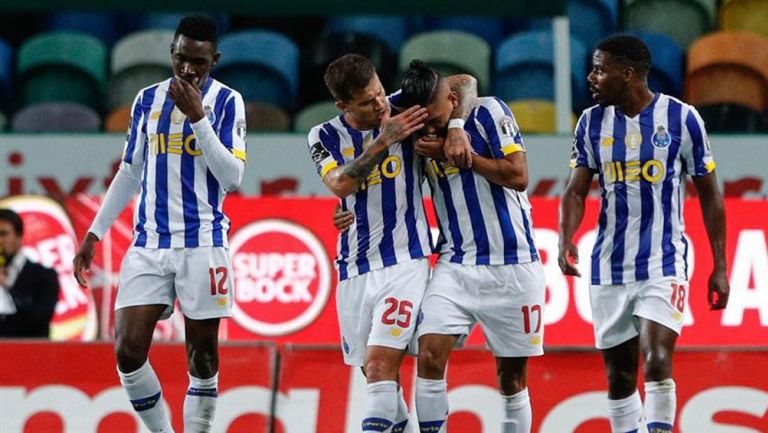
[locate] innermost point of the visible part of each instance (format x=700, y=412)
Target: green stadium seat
x=314, y=114
x=682, y=20
x=746, y=15
x=263, y=117
x=56, y=117
x=719, y=72
x=62, y=66
x=450, y=52
x=138, y=60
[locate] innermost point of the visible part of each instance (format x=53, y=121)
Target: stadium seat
x=267, y=71
x=139, y=60
x=746, y=15
x=260, y=117
x=392, y=30
x=3, y=122
x=314, y=114
x=327, y=48
x=118, y=120
x=719, y=72
x=592, y=20
x=525, y=68
x=491, y=29
x=102, y=25
x=682, y=20
x=170, y=20
x=450, y=52
x=56, y=117
x=733, y=118
x=6, y=73
x=666, y=74
x=62, y=66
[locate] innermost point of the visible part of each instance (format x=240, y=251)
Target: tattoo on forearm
x=361, y=167
x=466, y=87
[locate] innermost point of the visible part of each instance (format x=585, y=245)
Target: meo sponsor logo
x=282, y=277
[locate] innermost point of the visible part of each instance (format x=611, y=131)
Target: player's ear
x=453, y=96
x=341, y=106
x=216, y=58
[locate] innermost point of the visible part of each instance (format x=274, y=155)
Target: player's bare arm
x=187, y=97
x=713, y=212
x=347, y=179
x=458, y=150
x=82, y=261
x=509, y=172
x=571, y=214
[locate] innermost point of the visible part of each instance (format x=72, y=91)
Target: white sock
x=200, y=404
x=381, y=408
x=143, y=391
x=660, y=406
x=625, y=414
x=431, y=405
x=401, y=417
x=516, y=413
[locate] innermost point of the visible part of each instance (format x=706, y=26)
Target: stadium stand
x=666, y=74
x=262, y=117
x=313, y=115
x=592, y=20
x=102, y=25
x=138, y=60
x=118, y=120
x=682, y=20
x=746, y=15
x=392, y=30
x=56, y=117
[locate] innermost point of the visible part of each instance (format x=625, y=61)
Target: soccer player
x=185, y=150
x=641, y=144
x=382, y=257
x=488, y=271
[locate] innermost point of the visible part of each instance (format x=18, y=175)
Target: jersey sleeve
x=324, y=148
x=500, y=128
x=233, y=126
x=582, y=153
x=695, y=149
x=133, y=150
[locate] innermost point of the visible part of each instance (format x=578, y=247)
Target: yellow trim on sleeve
x=239, y=154
x=572, y=164
x=512, y=148
x=328, y=168
x=710, y=166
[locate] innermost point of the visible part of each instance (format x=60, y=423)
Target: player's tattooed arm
x=457, y=148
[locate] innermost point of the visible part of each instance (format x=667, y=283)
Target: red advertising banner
x=74, y=388
x=567, y=391
x=282, y=252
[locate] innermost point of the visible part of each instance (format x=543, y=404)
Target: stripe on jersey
x=453, y=220
x=361, y=208
x=138, y=121
x=479, y=234
x=620, y=200
x=146, y=103
x=228, y=122
x=668, y=248
x=489, y=126
x=505, y=220
x=189, y=196
x=582, y=158
x=595, y=125
x=700, y=168
x=646, y=195
x=161, y=175
x=528, y=231
x=388, y=207
x=414, y=240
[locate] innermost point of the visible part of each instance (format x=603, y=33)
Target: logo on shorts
x=282, y=277
x=345, y=345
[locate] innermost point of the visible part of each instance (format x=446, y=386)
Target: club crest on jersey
x=209, y=114
x=241, y=129
x=177, y=117
x=661, y=138
x=508, y=126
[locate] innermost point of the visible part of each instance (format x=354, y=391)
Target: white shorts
x=507, y=301
x=379, y=308
x=615, y=308
x=200, y=278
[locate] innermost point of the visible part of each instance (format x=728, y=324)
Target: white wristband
x=456, y=123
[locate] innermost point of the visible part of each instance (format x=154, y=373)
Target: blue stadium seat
x=56, y=117
x=489, y=28
x=393, y=30
x=263, y=66
x=667, y=66
x=6, y=71
x=525, y=68
x=99, y=24
x=592, y=20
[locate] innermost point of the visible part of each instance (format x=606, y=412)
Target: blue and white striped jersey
x=482, y=223
x=390, y=225
x=181, y=201
x=642, y=162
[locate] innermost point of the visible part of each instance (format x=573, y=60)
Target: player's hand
x=396, y=128
x=82, y=261
x=342, y=219
x=458, y=150
x=719, y=289
x=568, y=258
x=187, y=97
x=430, y=146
